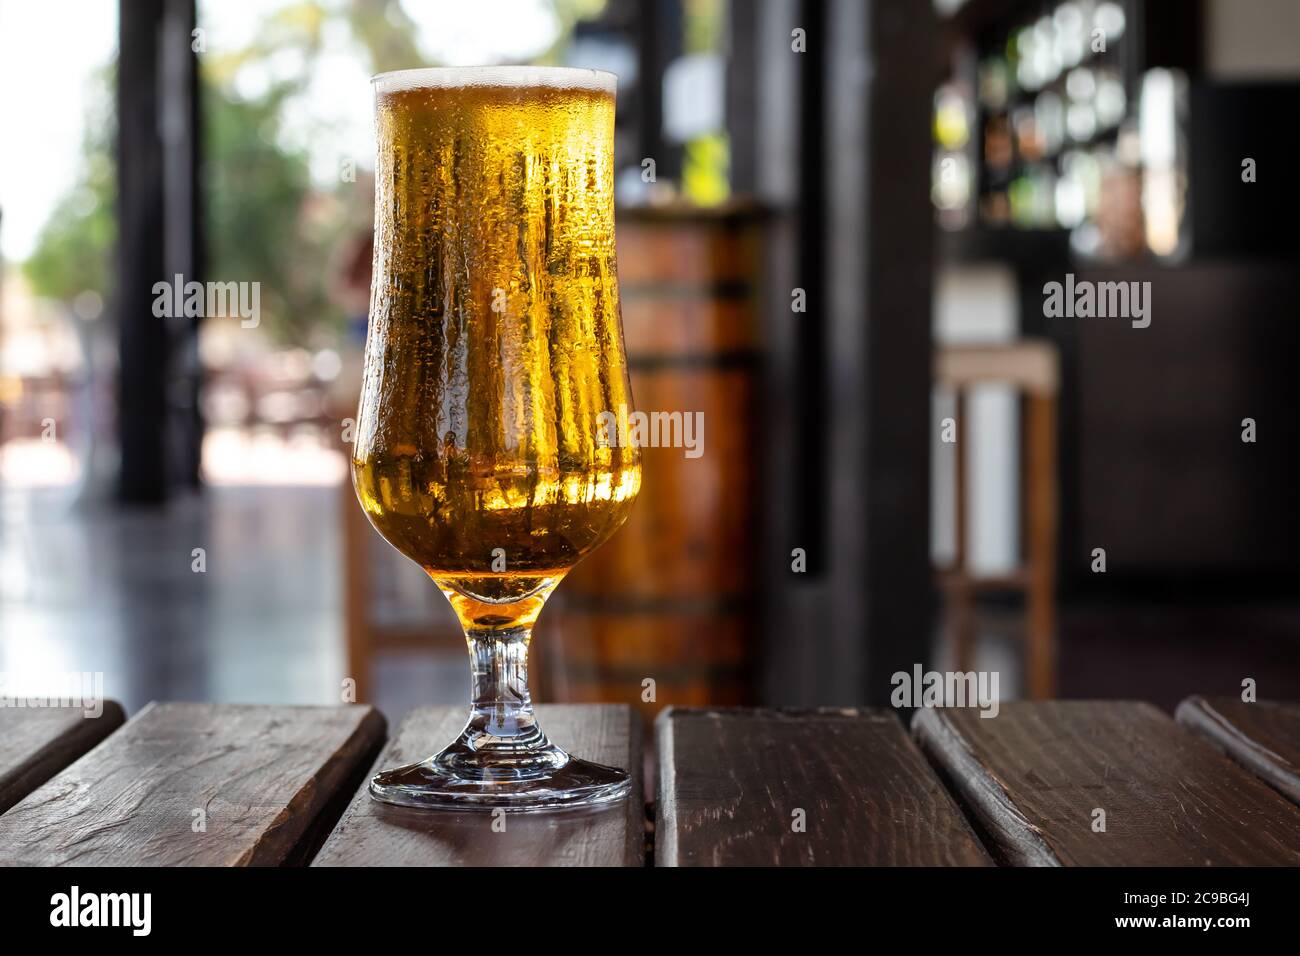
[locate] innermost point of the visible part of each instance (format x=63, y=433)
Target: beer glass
x=494, y=349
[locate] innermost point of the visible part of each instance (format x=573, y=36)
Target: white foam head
x=451, y=77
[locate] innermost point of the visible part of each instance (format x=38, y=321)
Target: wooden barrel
x=669, y=598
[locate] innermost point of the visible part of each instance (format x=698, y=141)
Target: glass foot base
x=456, y=779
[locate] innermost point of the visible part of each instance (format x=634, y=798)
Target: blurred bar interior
x=837, y=219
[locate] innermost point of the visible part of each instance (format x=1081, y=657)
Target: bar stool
x=1032, y=367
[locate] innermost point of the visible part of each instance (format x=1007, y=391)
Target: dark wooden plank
x=38, y=742
x=1034, y=775
x=1263, y=737
x=376, y=834
x=732, y=780
x=263, y=777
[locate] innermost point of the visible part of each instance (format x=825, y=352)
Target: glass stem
x=502, y=724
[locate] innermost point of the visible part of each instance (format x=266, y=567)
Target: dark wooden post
x=845, y=157
x=774, y=124
x=142, y=337
x=183, y=253
x=659, y=30
x=879, y=260
x=158, y=237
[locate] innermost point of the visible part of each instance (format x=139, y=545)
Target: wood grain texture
x=264, y=778
x=731, y=781
x=376, y=834
x=1034, y=775
x=1263, y=737
x=38, y=742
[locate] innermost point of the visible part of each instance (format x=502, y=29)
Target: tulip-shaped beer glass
x=495, y=345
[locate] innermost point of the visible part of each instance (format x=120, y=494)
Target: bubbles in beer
x=495, y=339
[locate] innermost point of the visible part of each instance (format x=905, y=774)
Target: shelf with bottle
x=1027, y=134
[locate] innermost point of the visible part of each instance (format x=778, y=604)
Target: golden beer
x=495, y=337
x=494, y=351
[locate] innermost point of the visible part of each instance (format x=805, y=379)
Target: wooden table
x=1050, y=783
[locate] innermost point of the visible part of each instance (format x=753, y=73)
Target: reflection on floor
x=98, y=589
x=1151, y=652
x=1163, y=654
x=87, y=588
